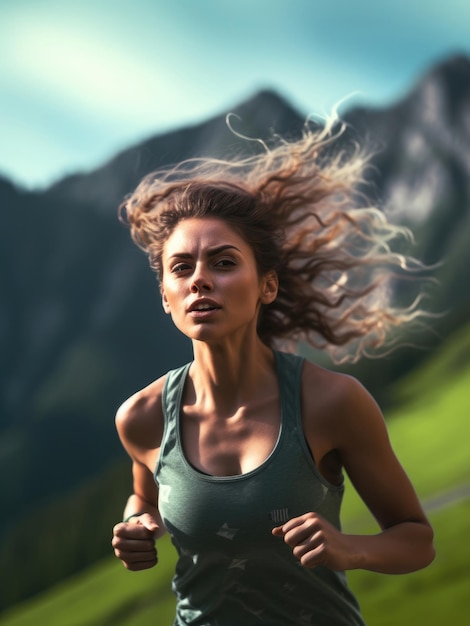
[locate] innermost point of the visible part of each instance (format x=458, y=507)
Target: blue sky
x=83, y=79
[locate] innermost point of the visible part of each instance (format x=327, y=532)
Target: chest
x=232, y=445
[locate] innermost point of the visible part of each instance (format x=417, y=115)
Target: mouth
x=203, y=306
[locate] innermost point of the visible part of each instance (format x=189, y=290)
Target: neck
x=226, y=378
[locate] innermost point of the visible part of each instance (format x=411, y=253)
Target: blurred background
x=94, y=95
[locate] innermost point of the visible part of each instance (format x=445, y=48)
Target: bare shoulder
x=139, y=420
x=337, y=401
x=333, y=388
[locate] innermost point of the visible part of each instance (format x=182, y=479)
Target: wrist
x=357, y=553
x=129, y=517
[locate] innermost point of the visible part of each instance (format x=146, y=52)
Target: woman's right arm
x=139, y=422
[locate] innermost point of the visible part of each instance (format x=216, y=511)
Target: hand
x=314, y=541
x=134, y=542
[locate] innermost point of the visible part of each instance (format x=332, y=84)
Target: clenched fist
x=314, y=541
x=134, y=542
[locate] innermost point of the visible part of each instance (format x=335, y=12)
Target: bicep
x=139, y=422
x=372, y=465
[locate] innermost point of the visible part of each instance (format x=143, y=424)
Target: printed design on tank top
x=226, y=532
x=280, y=516
x=164, y=493
x=238, y=564
x=192, y=555
x=233, y=584
x=252, y=601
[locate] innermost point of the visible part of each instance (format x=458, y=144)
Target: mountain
x=420, y=174
x=422, y=169
x=81, y=325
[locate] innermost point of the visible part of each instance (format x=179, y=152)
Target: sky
x=81, y=80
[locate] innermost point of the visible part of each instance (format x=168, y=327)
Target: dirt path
x=447, y=498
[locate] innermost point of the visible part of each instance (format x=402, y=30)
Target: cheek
x=169, y=293
x=248, y=290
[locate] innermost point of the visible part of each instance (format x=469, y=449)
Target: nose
x=200, y=282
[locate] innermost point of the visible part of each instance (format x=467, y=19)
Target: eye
x=180, y=267
x=225, y=263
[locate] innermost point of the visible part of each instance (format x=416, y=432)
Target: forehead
x=194, y=234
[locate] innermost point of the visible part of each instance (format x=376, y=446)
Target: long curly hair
x=299, y=207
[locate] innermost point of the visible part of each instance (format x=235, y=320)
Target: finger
x=280, y=531
x=136, y=557
x=138, y=561
x=302, y=533
x=142, y=565
x=148, y=521
x=132, y=530
x=126, y=544
x=294, y=522
x=312, y=543
x=314, y=557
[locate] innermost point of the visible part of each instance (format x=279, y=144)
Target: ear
x=269, y=287
x=165, y=305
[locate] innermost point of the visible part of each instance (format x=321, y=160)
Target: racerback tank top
x=231, y=570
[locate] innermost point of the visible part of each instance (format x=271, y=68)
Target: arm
x=139, y=422
x=406, y=541
x=355, y=428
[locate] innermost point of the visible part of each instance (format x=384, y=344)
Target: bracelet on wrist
x=129, y=517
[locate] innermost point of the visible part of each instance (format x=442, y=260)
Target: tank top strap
x=289, y=371
x=173, y=392
x=292, y=441
x=171, y=406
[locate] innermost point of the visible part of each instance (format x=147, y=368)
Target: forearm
x=137, y=505
x=400, y=549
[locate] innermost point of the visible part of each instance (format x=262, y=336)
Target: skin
x=231, y=416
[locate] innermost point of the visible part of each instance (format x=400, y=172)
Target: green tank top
x=231, y=571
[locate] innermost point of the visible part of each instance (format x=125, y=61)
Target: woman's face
x=210, y=283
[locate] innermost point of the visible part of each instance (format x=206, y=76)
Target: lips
x=203, y=305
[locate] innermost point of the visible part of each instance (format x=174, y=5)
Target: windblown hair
x=298, y=206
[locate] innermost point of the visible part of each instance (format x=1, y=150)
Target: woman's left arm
x=405, y=543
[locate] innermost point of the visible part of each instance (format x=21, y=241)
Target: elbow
x=427, y=558
x=431, y=548
x=428, y=553
x=432, y=555
x=421, y=550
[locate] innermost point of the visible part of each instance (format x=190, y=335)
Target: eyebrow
x=210, y=253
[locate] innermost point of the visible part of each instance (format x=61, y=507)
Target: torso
x=222, y=524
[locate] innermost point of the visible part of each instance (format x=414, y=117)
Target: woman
x=240, y=454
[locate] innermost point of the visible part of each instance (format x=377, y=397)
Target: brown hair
x=298, y=206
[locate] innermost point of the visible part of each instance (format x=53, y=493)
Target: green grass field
x=430, y=433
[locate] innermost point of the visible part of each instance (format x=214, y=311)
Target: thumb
x=278, y=531
x=149, y=522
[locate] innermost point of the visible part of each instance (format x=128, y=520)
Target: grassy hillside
x=430, y=432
